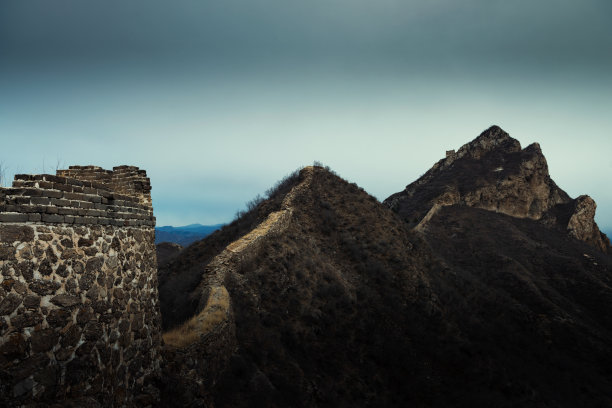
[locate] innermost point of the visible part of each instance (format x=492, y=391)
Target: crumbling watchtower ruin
x=79, y=309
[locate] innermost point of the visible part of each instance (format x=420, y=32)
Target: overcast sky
x=219, y=99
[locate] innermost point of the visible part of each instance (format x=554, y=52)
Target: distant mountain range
x=184, y=235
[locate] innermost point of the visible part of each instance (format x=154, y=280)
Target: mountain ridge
x=337, y=300
x=184, y=235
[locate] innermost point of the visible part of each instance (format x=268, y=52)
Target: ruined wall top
x=128, y=180
x=80, y=195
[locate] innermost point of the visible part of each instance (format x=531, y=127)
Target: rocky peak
x=494, y=138
x=492, y=172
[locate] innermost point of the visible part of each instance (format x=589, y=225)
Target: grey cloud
x=434, y=32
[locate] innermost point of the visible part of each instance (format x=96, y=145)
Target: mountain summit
x=468, y=289
x=492, y=172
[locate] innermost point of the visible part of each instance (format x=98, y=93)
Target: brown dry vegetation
x=216, y=311
x=180, y=276
x=349, y=307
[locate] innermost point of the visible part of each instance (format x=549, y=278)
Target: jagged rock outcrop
x=492, y=172
x=582, y=226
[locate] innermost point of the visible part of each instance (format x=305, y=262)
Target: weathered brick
x=13, y=233
x=98, y=185
x=27, y=208
x=54, y=218
x=94, y=213
x=10, y=191
x=74, y=182
x=33, y=192
x=73, y=196
x=63, y=187
x=40, y=200
x=91, y=220
x=19, y=201
x=45, y=184
x=60, y=202
x=80, y=220
x=34, y=217
x=55, y=179
x=13, y=217
x=22, y=183
x=52, y=193
x=67, y=211
x=77, y=189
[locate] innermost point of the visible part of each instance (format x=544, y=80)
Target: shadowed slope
x=532, y=308
x=333, y=300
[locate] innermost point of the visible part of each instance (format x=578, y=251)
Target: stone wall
x=79, y=311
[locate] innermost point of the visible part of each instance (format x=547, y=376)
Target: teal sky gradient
x=218, y=100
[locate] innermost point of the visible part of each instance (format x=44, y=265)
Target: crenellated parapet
x=127, y=180
x=65, y=200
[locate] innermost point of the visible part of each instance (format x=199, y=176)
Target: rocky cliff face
x=492, y=172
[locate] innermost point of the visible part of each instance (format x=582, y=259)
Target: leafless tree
x=2, y=173
x=58, y=164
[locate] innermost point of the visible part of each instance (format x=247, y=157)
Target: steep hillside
x=531, y=307
x=180, y=276
x=166, y=251
x=328, y=298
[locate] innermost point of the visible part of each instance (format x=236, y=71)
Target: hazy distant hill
x=322, y=296
x=184, y=235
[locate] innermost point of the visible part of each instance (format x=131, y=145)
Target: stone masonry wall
x=79, y=309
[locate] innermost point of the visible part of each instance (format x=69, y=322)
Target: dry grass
x=215, y=312
x=261, y=230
